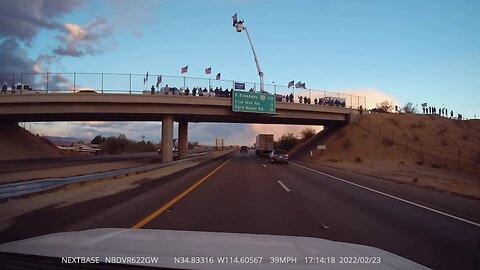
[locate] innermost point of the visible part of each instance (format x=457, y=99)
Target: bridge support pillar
x=167, y=138
x=182, y=139
x=353, y=117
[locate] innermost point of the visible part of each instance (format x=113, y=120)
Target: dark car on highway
x=244, y=149
x=278, y=156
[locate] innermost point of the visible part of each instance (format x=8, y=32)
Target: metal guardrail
x=121, y=83
x=40, y=185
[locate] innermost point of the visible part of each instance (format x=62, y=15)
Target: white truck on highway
x=264, y=144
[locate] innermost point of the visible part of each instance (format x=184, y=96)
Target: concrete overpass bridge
x=16, y=108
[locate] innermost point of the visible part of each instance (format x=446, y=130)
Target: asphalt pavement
x=243, y=194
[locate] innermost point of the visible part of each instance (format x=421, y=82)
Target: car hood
x=168, y=244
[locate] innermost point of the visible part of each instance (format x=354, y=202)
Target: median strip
x=40, y=185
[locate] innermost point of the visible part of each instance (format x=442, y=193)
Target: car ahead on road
x=278, y=155
x=244, y=149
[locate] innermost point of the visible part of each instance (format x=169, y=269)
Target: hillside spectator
x=423, y=109
x=451, y=113
x=446, y=112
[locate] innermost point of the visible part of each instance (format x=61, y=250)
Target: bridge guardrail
x=138, y=83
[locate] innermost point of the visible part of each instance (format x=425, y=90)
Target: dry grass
x=347, y=143
x=394, y=121
x=387, y=141
x=442, y=130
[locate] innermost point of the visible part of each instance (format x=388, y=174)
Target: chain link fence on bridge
x=61, y=82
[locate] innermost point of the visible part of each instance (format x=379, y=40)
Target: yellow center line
x=176, y=199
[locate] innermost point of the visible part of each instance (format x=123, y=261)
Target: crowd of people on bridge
x=440, y=111
x=227, y=93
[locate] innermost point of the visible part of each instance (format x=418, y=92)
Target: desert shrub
x=464, y=137
x=415, y=180
x=358, y=160
x=417, y=125
x=121, y=144
x=307, y=133
x=347, y=143
x=415, y=137
x=442, y=130
x=394, y=121
x=444, y=142
x=436, y=165
x=409, y=108
x=387, y=141
x=287, y=141
x=386, y=106
x=420, y=162
x=341, y=134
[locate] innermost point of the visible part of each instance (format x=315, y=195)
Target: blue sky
x=418, y=51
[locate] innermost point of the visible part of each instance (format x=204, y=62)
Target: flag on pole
x=234, y=17
x=424, y=105
x=159, y=80
x=303, y=86
x=290, y=84
x=208, y=70
x=145, y=79
x=298, y=84
x=184, y=69
x=218, y=77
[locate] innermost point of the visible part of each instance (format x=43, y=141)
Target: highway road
x=237, y=193
x=10, y=166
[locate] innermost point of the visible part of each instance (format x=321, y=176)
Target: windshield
x=335, y=134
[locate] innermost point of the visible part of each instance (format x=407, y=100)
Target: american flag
x=208, y=70
x=218, y=77
x=298, y=84
x=184, y=69
x=234, y=17
x=303, y=86
x=145, y=79
x=290, y=84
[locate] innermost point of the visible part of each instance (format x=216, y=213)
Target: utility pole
x=239, y=27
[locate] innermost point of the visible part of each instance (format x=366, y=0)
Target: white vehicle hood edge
x=168, y=244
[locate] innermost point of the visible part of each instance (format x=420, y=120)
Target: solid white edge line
x=283, y=185
x=391, y=196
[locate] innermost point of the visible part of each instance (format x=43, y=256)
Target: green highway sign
x=253, y=102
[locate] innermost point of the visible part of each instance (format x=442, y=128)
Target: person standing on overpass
x=152, y=90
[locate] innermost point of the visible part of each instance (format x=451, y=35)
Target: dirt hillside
x=17, y=143
x=426, y=150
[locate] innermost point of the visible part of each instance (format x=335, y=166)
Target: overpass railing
x=130, y=83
